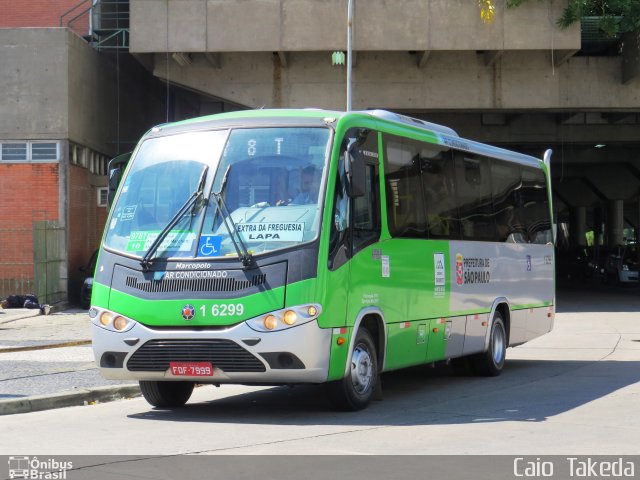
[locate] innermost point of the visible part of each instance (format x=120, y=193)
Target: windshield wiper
x=242, y=251
x=190, y=202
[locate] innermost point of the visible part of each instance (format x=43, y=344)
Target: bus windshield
x=269, y=180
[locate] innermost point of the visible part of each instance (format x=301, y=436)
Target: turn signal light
x=270, y=322
x=312, y=311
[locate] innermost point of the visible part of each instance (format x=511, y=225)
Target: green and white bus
x=308, y=246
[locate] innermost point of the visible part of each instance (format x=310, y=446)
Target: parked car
x=87, y=285
x=621, y=265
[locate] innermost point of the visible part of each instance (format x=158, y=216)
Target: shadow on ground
x=527, y=391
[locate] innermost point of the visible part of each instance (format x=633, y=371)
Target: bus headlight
x=285, y=318
x=106, y=318
x=120, y=323
x=270, y=322
x=289, y=317
x=112, y=321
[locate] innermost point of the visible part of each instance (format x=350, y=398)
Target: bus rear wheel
x=166, y=394
x=491, y=362
x=357, y=388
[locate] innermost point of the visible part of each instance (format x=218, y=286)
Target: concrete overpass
x=521, y=81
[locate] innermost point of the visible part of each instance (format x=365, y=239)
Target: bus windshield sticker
x=114, y=222
x=271, y=231
x=128, y=213
x=175, y=241
x=209, y=245
x=438, y=262
x=440, y=276
x=386, y=272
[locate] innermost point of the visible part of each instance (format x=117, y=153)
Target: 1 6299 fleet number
x=225, y=310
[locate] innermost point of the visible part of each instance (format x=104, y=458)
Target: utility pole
x=349, y=51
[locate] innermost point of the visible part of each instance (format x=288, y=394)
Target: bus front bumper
x=237, y=354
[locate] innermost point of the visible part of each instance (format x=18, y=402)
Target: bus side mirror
x=356, y=174
x=116, y=169
x=115, y=174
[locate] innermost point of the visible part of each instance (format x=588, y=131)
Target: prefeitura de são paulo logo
x=459, y=270
x=188, y=312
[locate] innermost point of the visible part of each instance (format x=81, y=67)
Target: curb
x=12, y=317
x=58, y=307
x=71, y=398
x=46, y=346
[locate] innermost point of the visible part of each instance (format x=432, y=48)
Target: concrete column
x=578, y=226
x=598, y=215
x=615, y=223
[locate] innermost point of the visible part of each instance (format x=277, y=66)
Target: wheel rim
x=361, y=369
x=498, y=345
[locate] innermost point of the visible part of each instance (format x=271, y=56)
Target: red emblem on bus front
x=188, y=312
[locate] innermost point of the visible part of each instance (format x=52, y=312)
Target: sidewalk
x=45, y=355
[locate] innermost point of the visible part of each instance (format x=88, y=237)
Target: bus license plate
x=191, y=369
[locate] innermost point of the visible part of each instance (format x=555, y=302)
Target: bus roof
x=444, y=136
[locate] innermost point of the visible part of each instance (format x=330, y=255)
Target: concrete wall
x=451, y=81
x=631, y=56
x=112, y=99
x=34, y=83
x=317, y=25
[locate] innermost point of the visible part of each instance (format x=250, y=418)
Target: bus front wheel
x=166, y=394
x=491, y=362
x=357, y=388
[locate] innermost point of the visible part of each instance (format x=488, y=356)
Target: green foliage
x=616, y=16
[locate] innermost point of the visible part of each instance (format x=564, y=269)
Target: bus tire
x=358, y=387
x=491, y=362
x=166, y=394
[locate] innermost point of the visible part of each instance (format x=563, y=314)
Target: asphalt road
x=573, y=391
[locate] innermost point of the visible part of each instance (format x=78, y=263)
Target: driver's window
x=355, y=223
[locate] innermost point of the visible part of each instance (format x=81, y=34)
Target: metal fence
x=32, y=260
x=16, y=261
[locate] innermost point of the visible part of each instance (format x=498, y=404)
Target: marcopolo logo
x=34, y=468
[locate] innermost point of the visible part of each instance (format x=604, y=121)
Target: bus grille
x=195, y=284
x=155, y=355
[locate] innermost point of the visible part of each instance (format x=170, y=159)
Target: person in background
x=25, y=301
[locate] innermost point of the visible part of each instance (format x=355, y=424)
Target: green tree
x=487, y=10
x=616, y=16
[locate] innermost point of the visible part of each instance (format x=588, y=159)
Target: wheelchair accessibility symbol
x=209, y=246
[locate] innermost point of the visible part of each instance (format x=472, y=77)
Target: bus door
x=366, y=259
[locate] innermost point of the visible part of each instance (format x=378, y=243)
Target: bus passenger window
x=439, y=192
x=535, y=208
x=405, y=199
x=475, y=206
x=507, y=193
